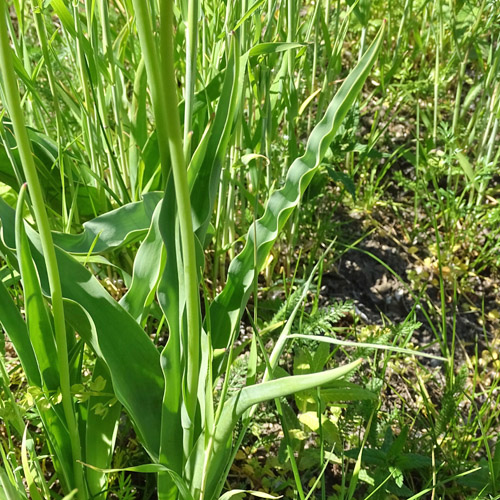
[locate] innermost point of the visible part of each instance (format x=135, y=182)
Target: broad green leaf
x=112, y=229
x=398, y=444
x=320, y=357
x=128, y=353
x=410, y=461
x=248, y=396
x=229, y=305
x=148, y=264
x=302, y=361
x=172, y=304
x=8, y=491
x=330, y=430
x=467, y=168
x=346, y=392
x=132, y=359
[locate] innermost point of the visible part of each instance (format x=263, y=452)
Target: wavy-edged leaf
x=143, y=469
x=229, y=305
x=112, y=229
x=148, y=264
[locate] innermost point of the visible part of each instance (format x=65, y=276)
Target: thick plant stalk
x=163, y=85
x=184, y=210
x=14, y=106
x=152, y=64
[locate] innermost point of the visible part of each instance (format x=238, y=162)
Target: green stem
x=152, y=64
x=184, y=211
x=436, y=92
x=191, y=50
x=163, y=86
x=88, y=118
x=119, y=117
x=13, y=104
x=42, y=36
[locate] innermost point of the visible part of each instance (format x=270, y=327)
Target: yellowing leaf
x=329, y=428
x=495, y=314
x=310, y=419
